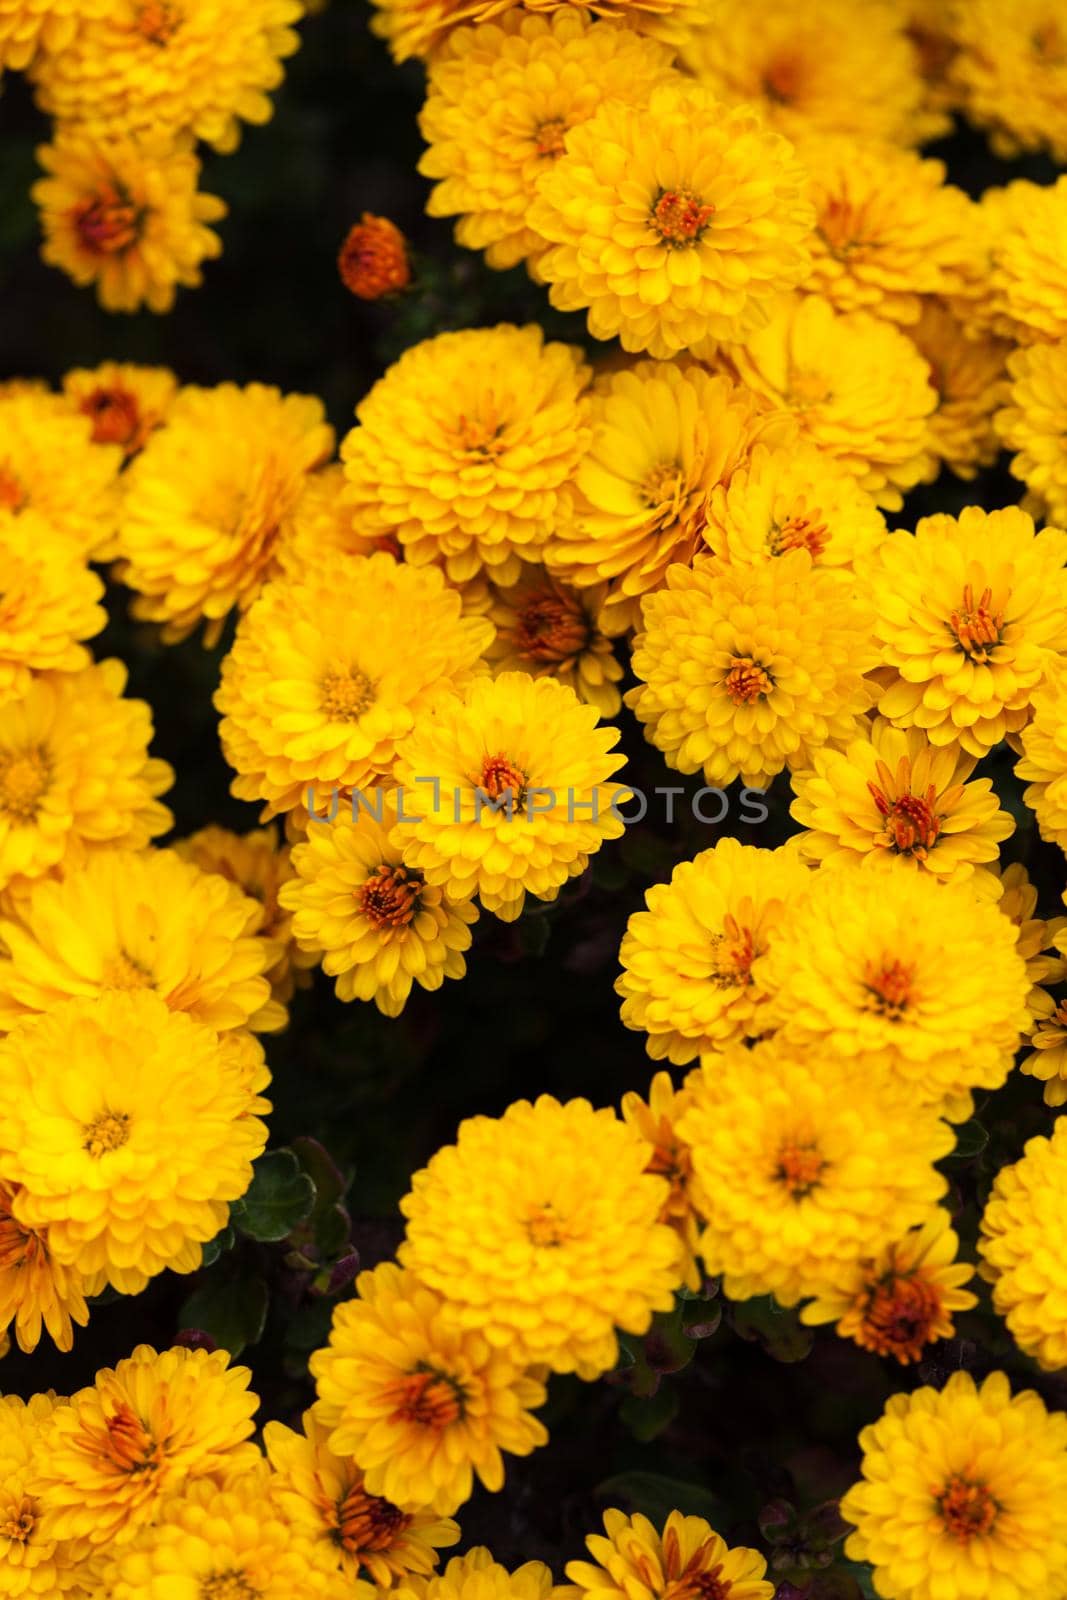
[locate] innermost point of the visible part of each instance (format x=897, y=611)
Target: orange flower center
x=158, y=20
x=747, y=680
x=732, y=954
x=12, y=492
x=800, y=1168
x=390, y=896
x=499, y=776
x=121, y=971
x=803, y=531
x=106, y=225
x=977, y=627
x=20, y=1247
x=807, y=389
x=899, y=1317
x=545, y=1227
x=968, y=1510
x=782, y=79
x=699, y=1578
x=672, y=1160
x=889, y=987
x=551, y=627
x=680, y=217
x=482, y=435
x=20, y=1520
x=365, y=1521
x=230, y=1585
x=115, y=416
x=374, y=259
x=346, y=695
x=911, y=826
x=130, y=1446
x=1050, y=43
x=663, y=488
x=549, y=137
x=428, y=1399
x=107, y=1132
x=24, y=780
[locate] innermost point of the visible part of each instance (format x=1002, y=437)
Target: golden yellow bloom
x=1026, y=226
x=1044, y=754
x=325, y=1499
x=550, y=630
x=75, y=772
x=31, y=1562
x=124, y=403
x=919, y=980
x=892, y=799
x=131, y=1163
x=1035, y=937
x=476, y=1576
x=801, y=65
x=500, y=101
x=1010, y=71
x=125, y=214
x=327, y=675
x=27, y=25
x=463, y=447
x=541, y=1230
x=1047, y=1059
x=687, y=959
x=687, y=1557
x=1034, y=424
x=418, y=1402
x=959, y=1494
x=110, y=1458
x=747, y=669
x=970, y=613
x=379, y=926
x=857, y=386
x=1020, y=1228
x=171, y=67
x=898, y=1302
x=374, y=260
x=419, y=27
x=655, y=1122
x=888, y=227
x=323, y=524
x=665, y=435
x=792, y=497
x=50, y=468
x=35, y=1289
x=675, y=223
x=207, y=499
x=967, y=369
x=506, y=792
x=126, y=920
x=804, y=1165
x=48, y=603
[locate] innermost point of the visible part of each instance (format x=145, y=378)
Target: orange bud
x=374, y=259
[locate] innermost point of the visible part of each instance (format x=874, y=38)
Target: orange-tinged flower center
x=481, y=434
x=977, y=627
x=802, y=531
x=1049, y=41
x=967, y=1509
x=158, y=20
x=911, y=826
x=115, y=415
x=230, y=1585
x=807, y=389
x=551, y=627
x=782, y=79
x=799, y=1167
x=24, y=780
x=699, y=1578
x=747, y=680
x=121, y=971
x=546, y=1227
x=107, y=224
x=13, y=494
x=363, y=1521
x=889, y=986
x=549, y=137
x=344, y=696
x=129, y=1444
x=374, y=259
x=19, y=1520
x=899, y=1316
x=428, y=1399
x=20, y=1247
x=663, y=487
x=390, y=896
x=680, y=217
x=107, y=1132
x=732, y=954
x=501, y=776
x=673, y=1160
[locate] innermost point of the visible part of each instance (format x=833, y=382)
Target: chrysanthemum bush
x=669, y=650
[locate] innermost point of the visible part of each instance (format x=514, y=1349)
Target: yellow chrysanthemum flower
x=857, y=386
x=970, y=613
x=35, y=1289
x=959, y=1494
x=50, y=468
x=110, y=1458
x=550, y=630
x=1034, y=424
x=28, y=25
x=898, y=1302
x=378, y=925
x=919, y=980
x=655, y=1123
x=126, y=920
x=1035, y=936
x=463, y=447
x=325, y=1499
x=507, y=792
x=124, y=403
x=892, y=799
x=633, y=1560
x=322, y=525
x=801, y=65
x=674, y=223
x=207, y=498
x=803, y=1166
x=1026, y=229
x=476, y=1576
x=1047, y=1058
x=794, y=497
x=687, y=960
x=50, y=603
x=32, y=1563
x=131, y=1163
x=197, y=67
x=967, y=369
x=1019, y=1248
x=665, y=435
x=746, y=669
x=500, y=101
x=418, y=1402
x=888, y=227
x=1044, y=754
x=327, y=676
x=1010, y=71
x=75, y=772
x=125, y=214
x=541, y=1230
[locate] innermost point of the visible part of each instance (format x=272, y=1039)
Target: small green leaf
x=278, y=1199
x=647, y=1418
x=218, y=1245
x=232, y=1312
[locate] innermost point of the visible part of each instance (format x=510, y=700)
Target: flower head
x=374, y=258
x=1020, y=1225
x=48, y=603
x=959, y=1491
x=674, y=223
x=476, y=1576
x=1026, y=229
x=541, y=1228
x=551, y=630
x=124, y=403
x=804, y=1166
x=633, y=1560
x=1034, y=424
x=32, y=1562
x=50, y=468
x=1044, y=754
x=967, y=369
x=655, y=1122
x=419, y=1403
x=29, y=25
x=1010, y=70
x=34, y=1288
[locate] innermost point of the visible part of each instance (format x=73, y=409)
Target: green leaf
x=861, y=1572
x=233, y=1312
x=777, y=1328
x=330, y=1182
x=278, y=1199
x=657, y=1496
x=647, y=1418
x=218, y=1245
